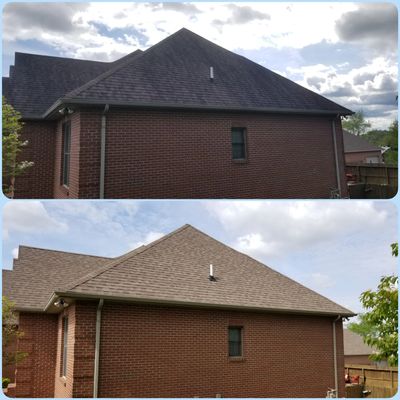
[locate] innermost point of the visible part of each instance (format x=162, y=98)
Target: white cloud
x=321, y=281
x=272, y=228
x=149, y=237
x=15, y=252
x=29, y=217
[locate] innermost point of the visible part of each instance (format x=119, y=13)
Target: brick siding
x=159, y=154
x=36, y=182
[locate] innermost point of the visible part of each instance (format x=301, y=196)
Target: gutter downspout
x=97, y=349
x=103, y=150
x=335, y=368
x=336, y=158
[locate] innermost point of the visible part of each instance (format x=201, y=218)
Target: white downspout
x=335, y=355
x=336, y=158
x=97, y=349
x=103, y=150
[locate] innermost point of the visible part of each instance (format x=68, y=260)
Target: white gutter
x=103, y=150
x=336, y=158
x=335, y=368
x=97, y=350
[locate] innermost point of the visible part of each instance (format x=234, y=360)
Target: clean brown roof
x=37, y=272
x=173, y=270
x=355, y=144
x=354, y=344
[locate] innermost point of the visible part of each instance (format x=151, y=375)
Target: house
x=356, y=351
x=160, y=321
x=183, y=119
x=357, y=150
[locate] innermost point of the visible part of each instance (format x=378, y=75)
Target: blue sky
x=344, y=51
x=338, y=248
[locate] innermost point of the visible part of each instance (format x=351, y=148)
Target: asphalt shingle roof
x=173, y=73
x=355, y=144
x=173, y=269
x=354, y=344
x=37, y=272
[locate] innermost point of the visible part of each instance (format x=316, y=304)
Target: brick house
x=183, y=119
x=157, y=322
x=357, y=150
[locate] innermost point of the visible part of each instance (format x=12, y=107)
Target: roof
x=37, y=272
x=37, y=81
x=174, y=270
x=355, y=144
x=354, y=344
x=175, y=73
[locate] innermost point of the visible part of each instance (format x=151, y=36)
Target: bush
x=6, y=381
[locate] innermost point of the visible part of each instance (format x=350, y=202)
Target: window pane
x=238, y=151
x=238, y=143
x=235, y=342
x=234, y=334
x=237, y=136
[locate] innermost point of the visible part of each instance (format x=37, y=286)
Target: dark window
x=235, y=341
x=66, y=153
x=239, y=143
x=64, y=350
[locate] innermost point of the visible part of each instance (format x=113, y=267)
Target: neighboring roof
x=37, y=272
x=37, y=81
x=355, y=144
x=5, y=87
x=354, y=344
x=175, y=73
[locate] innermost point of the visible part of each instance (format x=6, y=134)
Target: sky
x=344, y=51
x=337, y=248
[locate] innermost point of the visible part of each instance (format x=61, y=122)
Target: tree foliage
x=356, y=124
x=12, y=146
x=10, y=333
x=392, y=141
x=378, y=325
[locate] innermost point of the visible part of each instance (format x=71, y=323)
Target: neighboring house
x=154, y=323
x=183, y=119
x=357, y=150
x=356, y=351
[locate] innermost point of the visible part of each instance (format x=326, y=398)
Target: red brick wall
x=35, y=374
x=361, y=157
x=37, y=181
x=170, y=352
x=156, y=154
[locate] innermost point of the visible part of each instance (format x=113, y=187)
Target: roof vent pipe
x=211, y=73
x=211, y=276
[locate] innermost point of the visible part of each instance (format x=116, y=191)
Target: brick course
x=160, y=154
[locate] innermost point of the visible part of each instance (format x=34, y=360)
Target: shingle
x=175, y=72
x=354, y=144
x=37, y=272
x=175, y=268
x=354, y=344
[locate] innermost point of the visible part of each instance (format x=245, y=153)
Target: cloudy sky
x=338, y=249
x=344, y=51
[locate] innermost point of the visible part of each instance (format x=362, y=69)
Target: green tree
x=392, y=141
x=356, y=124
x=10, y=334
x=12, y=146
x=378, y=325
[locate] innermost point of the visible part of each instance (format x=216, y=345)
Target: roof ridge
x=63, y=251
x=130, y=58
x=64, y=58
x=124, y=257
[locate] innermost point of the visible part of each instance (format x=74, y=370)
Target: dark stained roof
x=171, y=270
x=173, y=73
x=37, y=81
x=355, y=144
x=37, y=272
x=354, y=344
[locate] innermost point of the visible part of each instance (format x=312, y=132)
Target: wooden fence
x=374, y=174
x=382, y=382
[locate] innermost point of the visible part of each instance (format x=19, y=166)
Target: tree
x=392, y=141
x=356, y=124
x=12, y=146
x=10, y=334
x=378, y=325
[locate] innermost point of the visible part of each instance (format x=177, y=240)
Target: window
x=66, y=153
x=238, y=143
x=235, y=341
x=64, y=350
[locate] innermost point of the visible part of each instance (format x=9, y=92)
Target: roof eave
x=51, y=111
x=166, y=302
